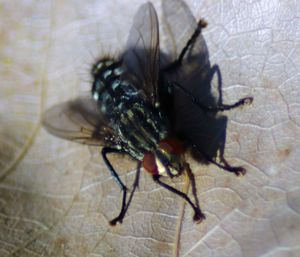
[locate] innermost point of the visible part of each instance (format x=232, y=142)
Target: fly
x=128, y=111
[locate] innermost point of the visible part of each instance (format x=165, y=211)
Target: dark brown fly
x=135, y=100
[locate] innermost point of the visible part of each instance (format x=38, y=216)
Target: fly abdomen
x=109, y=90
x=140, y=126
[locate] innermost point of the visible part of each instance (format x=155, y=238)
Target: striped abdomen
x=139, y=125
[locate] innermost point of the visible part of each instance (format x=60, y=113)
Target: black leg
x=222, y=107
x=177, y=63
x=134, y=186
x=193, y=183
x=198, y=215
x=105, y=151
x=237, y=170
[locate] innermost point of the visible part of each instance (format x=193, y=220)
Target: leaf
x=56, y=197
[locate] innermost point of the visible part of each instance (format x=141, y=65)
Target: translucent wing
x=141, y=57
x=178, y=26
x=79, y=120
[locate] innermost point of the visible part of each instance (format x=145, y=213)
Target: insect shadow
x=207, y=130
x=196, y=104
x=211, y=137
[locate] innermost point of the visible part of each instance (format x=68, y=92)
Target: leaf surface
x=56, y=197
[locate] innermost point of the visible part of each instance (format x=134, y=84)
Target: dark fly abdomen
x=140, y=126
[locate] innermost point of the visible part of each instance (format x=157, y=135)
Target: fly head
x=167, y=159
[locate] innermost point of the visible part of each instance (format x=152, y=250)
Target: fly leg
x=134, y=186
x=105, y=151
x=198, y=214
x=193, y=183
x=220, y=107
x=236, y=170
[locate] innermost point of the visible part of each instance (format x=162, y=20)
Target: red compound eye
x=172, y=145
x=149, y=163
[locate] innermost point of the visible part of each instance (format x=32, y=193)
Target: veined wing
x=141, y=58
x=194, y=73
x=79, y=120
x=178, y=25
